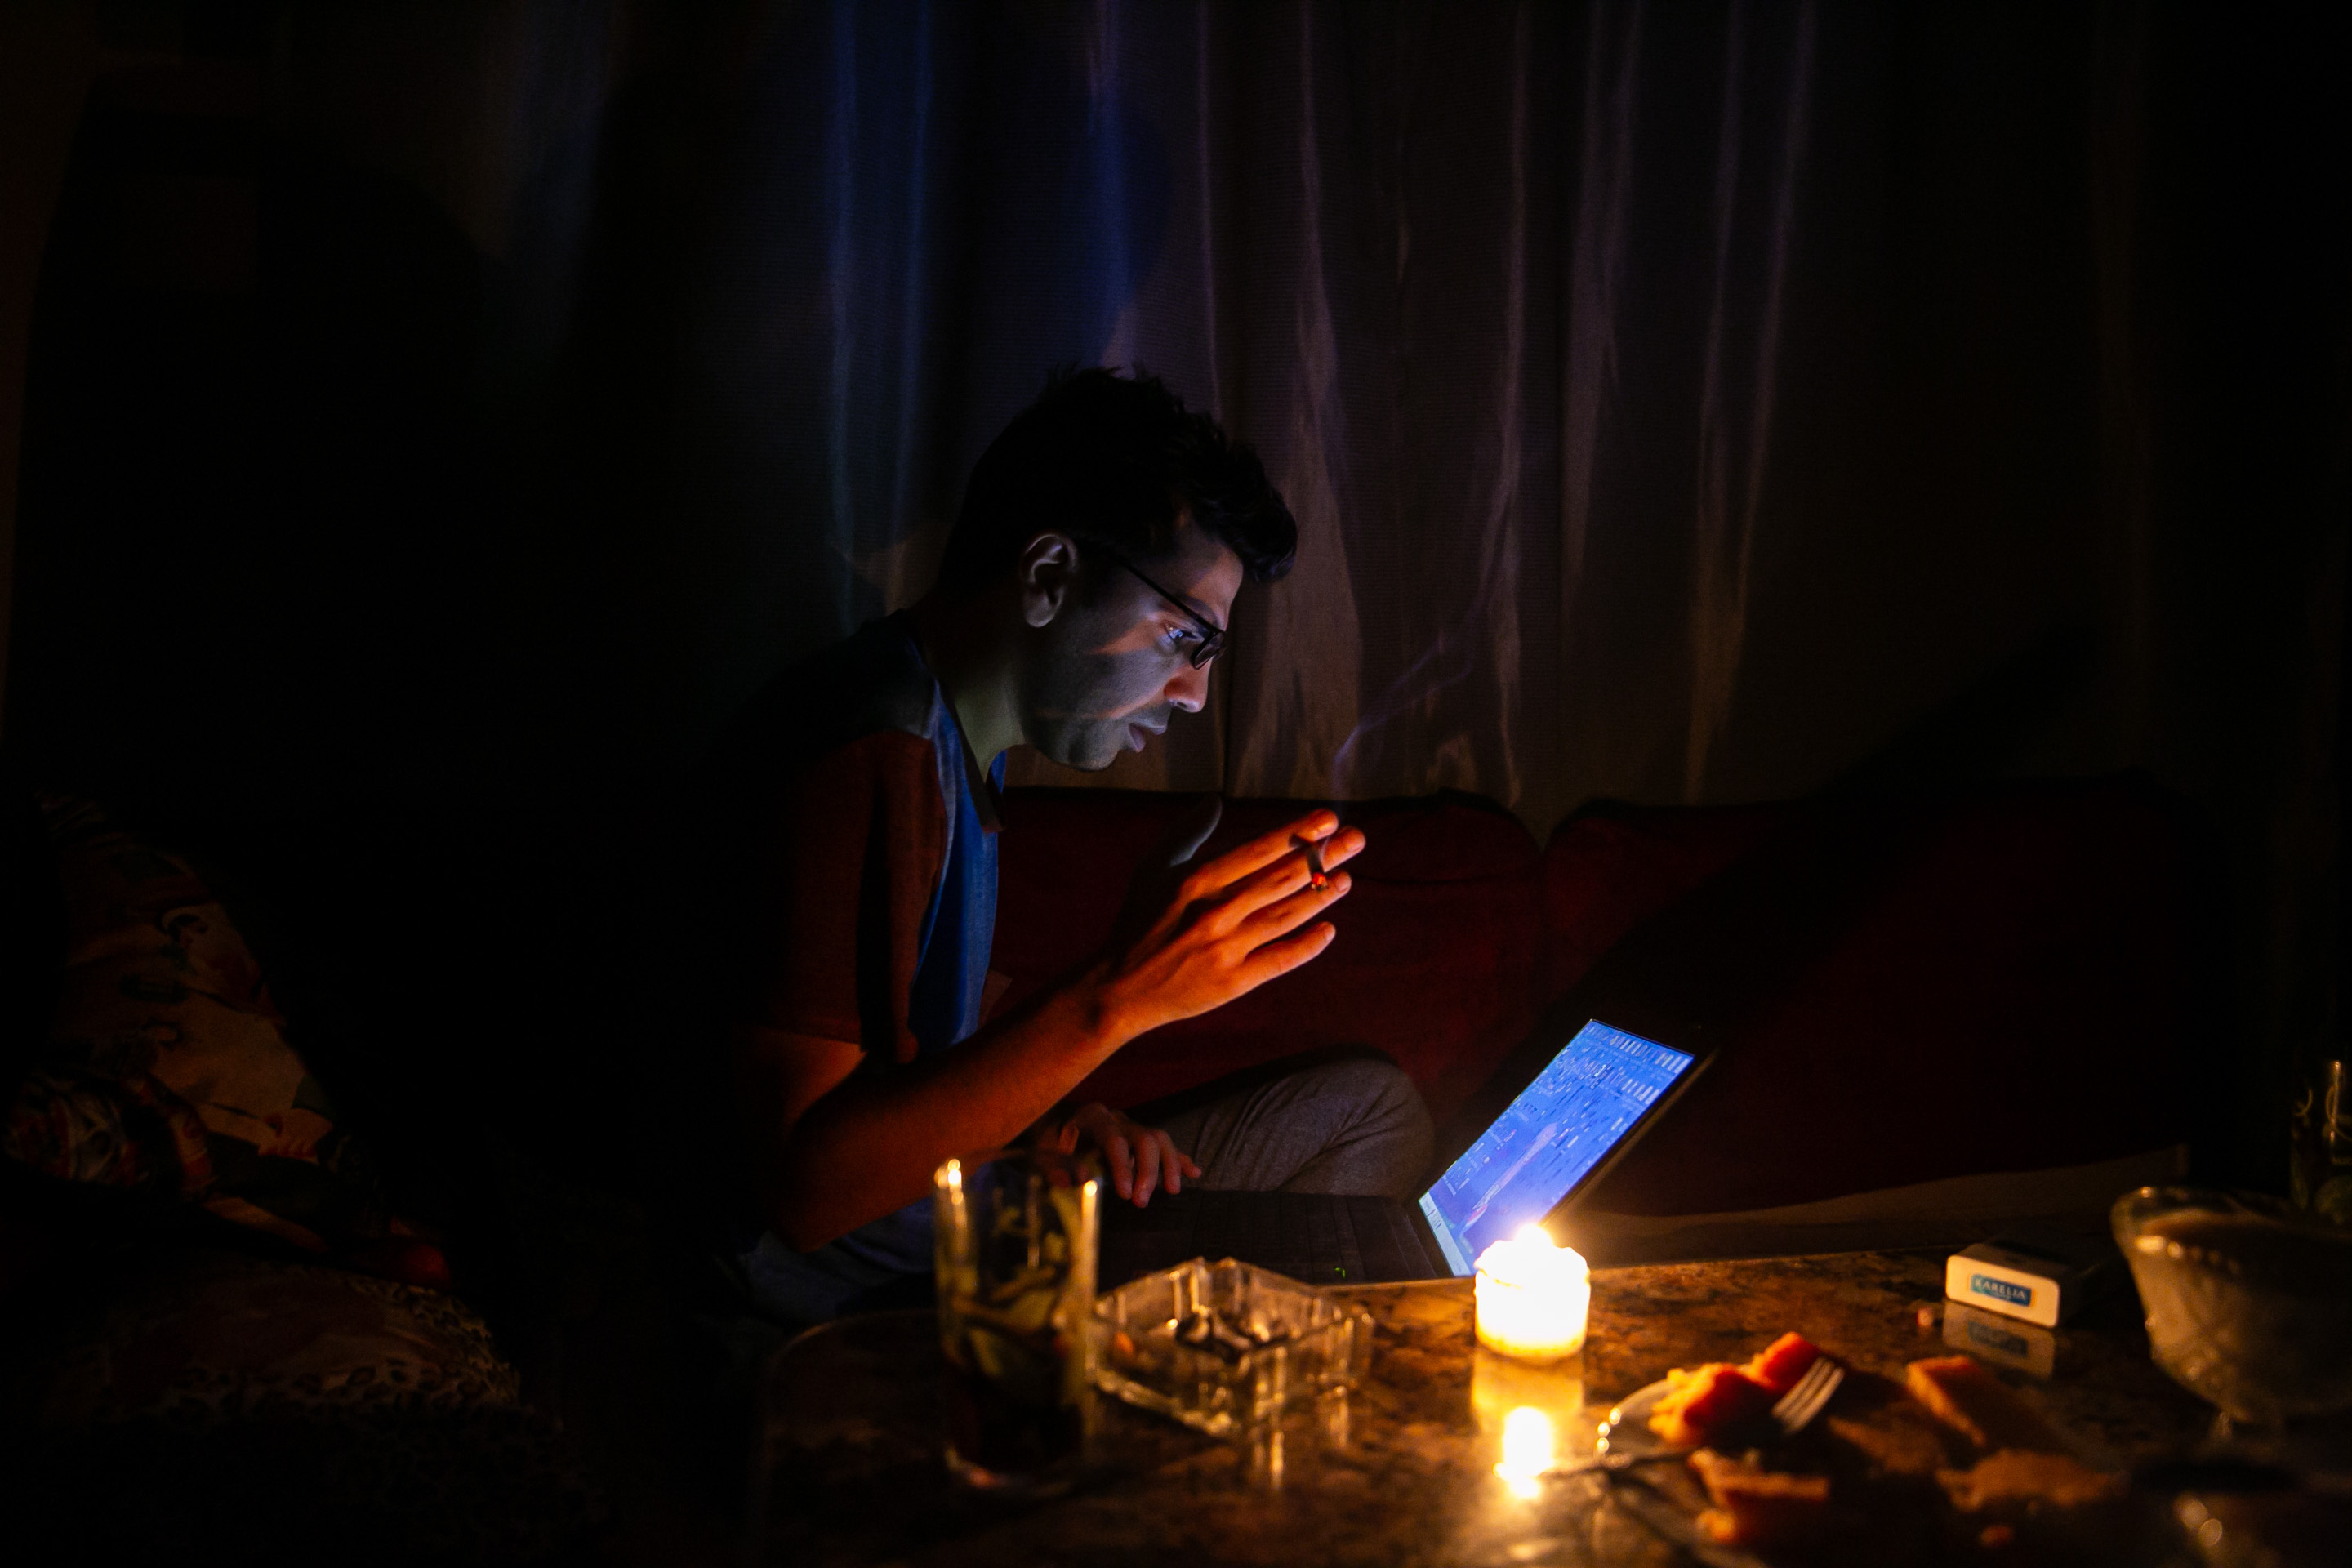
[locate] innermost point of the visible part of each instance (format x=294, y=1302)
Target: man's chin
x=1089, y=753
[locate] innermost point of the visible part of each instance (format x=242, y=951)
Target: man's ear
x=1048, y=577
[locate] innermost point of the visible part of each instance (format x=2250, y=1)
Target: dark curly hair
x=1117, y=458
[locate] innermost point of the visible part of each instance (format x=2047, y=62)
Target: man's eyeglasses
x=1213, y=636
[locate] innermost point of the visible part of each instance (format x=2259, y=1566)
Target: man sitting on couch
x=1088, y=582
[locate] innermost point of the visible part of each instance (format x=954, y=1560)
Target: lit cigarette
x=1315, y=877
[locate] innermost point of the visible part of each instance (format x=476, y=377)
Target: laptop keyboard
x=1314, y=1238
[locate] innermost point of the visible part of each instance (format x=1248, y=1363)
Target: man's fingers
x=1280, y=957
x=1147, y=1167
x=1122, y=1165
x=1261, y=852
x=1288, y=911
x=1278, y=882
x=1345, y=845
x=1172, y=1163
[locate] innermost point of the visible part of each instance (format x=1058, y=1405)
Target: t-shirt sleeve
x=847, y=859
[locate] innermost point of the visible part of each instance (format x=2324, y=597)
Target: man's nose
x=1190, y=689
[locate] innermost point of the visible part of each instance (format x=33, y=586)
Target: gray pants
x=1355, y=1126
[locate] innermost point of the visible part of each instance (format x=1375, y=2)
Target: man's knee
x=1375, y=1099
x=1375, y=1083
x=1378, y=1136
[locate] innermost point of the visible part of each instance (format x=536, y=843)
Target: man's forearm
x=868, y=1146
x=837, y=1148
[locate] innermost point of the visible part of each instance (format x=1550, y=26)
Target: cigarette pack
x=2041, y=1279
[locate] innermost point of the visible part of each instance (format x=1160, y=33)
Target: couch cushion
x=168, y=1069
x=1435, y=963
x=1612, y=866
x=2008, y=983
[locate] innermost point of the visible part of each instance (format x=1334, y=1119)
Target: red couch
x=1903, y=993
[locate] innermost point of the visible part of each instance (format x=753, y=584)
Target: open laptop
x=1586, y=1104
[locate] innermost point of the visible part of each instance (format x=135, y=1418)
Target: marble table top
x=1403, y=1470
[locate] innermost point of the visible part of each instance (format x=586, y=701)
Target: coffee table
x=1403, y=1470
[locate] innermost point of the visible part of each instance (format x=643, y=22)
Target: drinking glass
x=1015, y=1250
x=2320, y=1144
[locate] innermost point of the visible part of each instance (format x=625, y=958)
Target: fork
x=1791, y=1413
x=1795, y=1410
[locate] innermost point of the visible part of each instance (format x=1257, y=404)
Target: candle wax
x=1533, y=1298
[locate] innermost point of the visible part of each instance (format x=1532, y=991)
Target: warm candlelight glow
x=1528, y=1450
x=1531, y=1414
x=1533, y=1298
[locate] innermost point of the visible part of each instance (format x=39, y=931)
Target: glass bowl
x=2248, y=1306
x=1224, y=1347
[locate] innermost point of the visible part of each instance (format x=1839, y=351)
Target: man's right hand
x=837, y=1148
x=1233, y=924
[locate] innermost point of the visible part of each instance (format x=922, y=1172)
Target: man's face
x=1116, y=661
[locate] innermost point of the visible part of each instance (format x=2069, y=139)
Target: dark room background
x=436, y=418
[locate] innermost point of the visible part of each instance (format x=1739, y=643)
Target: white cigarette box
x=2041, y=1287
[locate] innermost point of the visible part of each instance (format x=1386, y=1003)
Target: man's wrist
x=1105, y=1013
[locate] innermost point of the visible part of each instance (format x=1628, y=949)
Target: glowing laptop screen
x=1558, y=1128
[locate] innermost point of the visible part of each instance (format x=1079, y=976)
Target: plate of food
x=1943, y=1463
x=1715, y=1403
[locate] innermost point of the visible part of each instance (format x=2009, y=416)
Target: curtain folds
x=440, y=418
x=1665, y=407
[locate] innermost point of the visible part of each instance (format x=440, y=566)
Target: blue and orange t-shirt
x=862, y=893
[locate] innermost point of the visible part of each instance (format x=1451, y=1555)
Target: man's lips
x=1137, y=734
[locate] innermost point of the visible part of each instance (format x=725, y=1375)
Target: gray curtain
x=1678, y=402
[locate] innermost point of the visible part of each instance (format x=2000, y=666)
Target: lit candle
x=1533, y=1298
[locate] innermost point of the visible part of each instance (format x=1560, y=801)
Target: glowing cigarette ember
x=1315, y=875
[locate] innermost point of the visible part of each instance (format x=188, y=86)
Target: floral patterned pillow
x=168, y=1068
x=219, y=1338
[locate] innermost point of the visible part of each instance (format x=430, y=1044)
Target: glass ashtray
x=1224, y=1347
